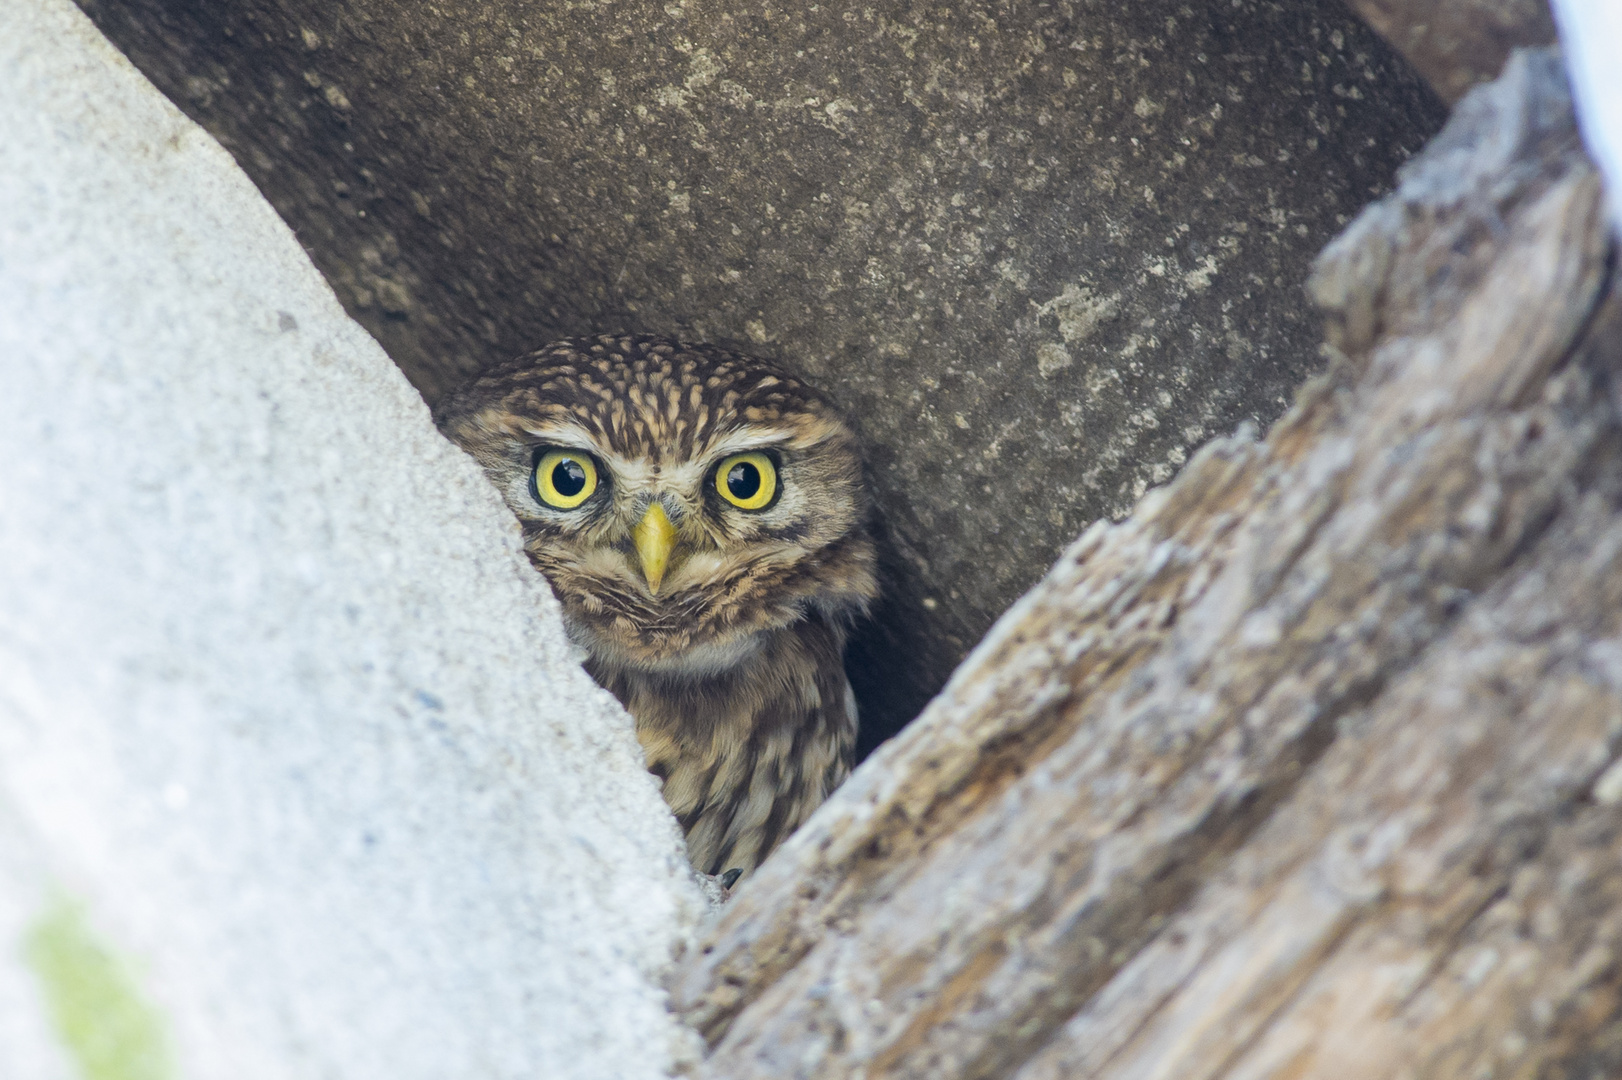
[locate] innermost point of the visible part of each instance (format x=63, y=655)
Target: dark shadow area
x=1038, y=251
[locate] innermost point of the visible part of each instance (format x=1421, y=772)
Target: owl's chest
x=747, y=754
x=697, y=732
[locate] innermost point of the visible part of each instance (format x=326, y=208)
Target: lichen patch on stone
x=95, y=1003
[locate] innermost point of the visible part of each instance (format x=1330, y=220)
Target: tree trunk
x=1306, y=769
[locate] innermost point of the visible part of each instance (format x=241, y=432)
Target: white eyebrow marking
x=569, y=436
x=745, y=439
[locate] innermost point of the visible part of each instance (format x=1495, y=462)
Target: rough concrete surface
x=289, y=730
x=1039, y=251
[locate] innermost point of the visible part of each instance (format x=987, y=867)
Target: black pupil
x=568, y=478
x=743, y=480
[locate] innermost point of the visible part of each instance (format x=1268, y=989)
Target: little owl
x=701, y=516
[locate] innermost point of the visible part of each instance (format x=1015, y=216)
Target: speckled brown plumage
x=731, y=660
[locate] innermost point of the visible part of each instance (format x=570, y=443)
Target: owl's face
x=682, y=499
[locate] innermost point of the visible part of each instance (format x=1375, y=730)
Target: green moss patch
x=94, y=1001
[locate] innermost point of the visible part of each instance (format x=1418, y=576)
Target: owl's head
x=683, y=500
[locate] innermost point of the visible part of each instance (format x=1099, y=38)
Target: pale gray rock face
x=287, y=721
x=1039, y=251
x=1591, y=34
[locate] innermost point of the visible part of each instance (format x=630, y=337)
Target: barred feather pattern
x=748, y=754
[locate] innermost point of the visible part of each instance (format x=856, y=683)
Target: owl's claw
x=717, y=888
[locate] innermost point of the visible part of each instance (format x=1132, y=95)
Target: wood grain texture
x=1301, y=770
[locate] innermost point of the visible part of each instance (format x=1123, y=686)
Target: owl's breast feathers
x=747, y=754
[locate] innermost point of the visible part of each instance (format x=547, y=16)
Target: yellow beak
x=654, y=537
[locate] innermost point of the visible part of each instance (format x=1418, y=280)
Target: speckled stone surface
x=288, y=724
x=1039, y=251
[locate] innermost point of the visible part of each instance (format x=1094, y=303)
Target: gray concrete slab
x=298, y=774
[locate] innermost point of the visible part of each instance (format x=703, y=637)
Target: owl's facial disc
x=746, y=482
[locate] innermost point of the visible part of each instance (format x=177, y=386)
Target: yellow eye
x=747, y=481
x=563, y=479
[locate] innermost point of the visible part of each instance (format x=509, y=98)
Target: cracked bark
x=1305, y=768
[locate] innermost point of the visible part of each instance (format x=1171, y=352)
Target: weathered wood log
x=1307, y=768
